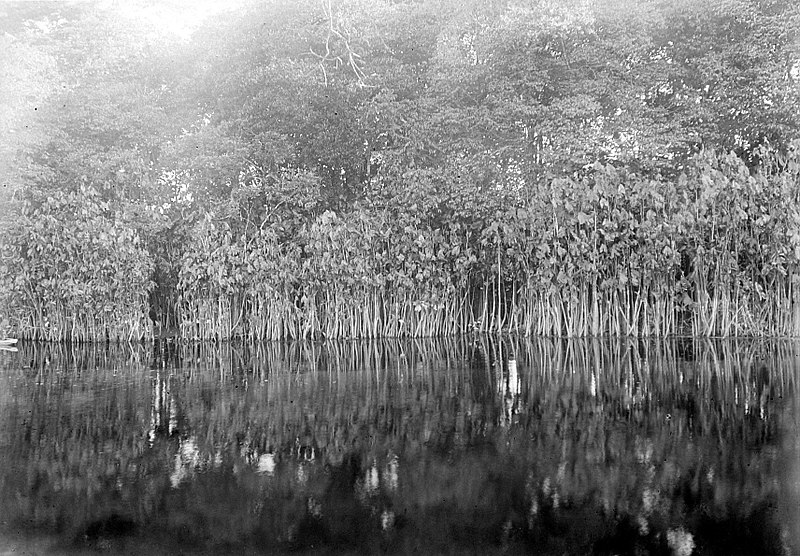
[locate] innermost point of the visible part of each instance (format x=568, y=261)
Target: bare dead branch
x=336, y=34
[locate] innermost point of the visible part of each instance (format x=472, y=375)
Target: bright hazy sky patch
x=178, y=18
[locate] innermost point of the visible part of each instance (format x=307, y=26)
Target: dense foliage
x=84, y=273
x=362, y=169
x=713, y=252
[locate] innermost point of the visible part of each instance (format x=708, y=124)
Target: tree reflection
x=433, y=446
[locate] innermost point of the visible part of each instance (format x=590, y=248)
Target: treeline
x=711, y=252
x=359, y=170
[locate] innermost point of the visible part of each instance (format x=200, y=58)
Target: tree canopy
x=507, y=91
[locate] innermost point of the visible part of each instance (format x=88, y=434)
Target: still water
x=467, y=446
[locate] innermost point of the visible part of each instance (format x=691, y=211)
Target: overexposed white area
x=179, y=18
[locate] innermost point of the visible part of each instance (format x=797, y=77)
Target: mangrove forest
x=335, y=169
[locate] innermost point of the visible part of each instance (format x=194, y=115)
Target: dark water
x=437, y=447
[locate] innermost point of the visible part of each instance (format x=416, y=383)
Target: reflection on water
x=458, y=446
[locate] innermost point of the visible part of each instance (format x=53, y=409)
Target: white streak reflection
x=509, y=387
x=187, y=459
x=371, y=481
x=266, y=464
x=390, y=474
x=680, y=542
x=514, y=383
x=302, y=475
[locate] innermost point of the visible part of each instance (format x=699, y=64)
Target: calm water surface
x=456, y=447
